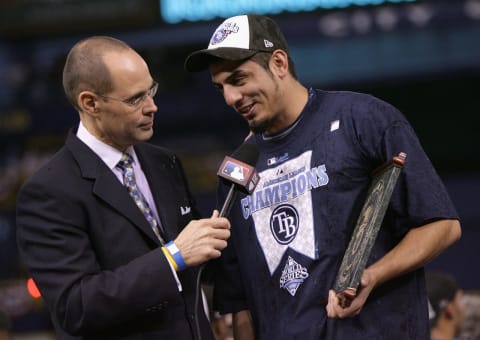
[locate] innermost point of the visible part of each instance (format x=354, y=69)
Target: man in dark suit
x=116, y=255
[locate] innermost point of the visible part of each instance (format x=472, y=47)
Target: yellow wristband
x=170, y=258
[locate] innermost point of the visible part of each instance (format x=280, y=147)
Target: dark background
x=423, y=57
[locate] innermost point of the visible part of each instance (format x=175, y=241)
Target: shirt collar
x=285, y=132
x=108, y=154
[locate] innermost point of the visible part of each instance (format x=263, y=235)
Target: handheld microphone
x=239, y=171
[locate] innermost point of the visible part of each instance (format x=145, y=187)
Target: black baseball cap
x=239, y=38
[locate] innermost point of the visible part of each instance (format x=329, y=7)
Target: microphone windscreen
x=247, y=153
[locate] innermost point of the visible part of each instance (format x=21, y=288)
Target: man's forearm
x=418, y=247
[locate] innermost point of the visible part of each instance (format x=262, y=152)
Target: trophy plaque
x=366, y=229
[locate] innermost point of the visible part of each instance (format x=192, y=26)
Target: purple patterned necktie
x=125, y=164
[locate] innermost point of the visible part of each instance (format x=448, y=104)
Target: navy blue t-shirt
x=289, y=236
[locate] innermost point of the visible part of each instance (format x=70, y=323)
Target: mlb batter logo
x=235, y=170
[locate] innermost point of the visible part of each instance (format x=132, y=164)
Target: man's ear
x=279, y=62
x=449, y=311
x=88, y=102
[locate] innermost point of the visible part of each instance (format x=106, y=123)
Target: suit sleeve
x=56, y=242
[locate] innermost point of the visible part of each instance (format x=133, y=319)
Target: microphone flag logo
x=240, y=173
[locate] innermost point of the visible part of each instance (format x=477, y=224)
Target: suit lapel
x=158, y=170
x=106, y=185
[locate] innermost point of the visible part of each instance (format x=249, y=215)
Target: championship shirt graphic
x=282, y=212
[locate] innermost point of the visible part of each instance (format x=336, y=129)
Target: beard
x=259, y=126
x=265, y=124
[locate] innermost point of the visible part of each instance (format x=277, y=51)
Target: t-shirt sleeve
x=420, y=196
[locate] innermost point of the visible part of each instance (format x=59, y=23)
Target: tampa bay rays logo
x=223, y=31
x=284, y=223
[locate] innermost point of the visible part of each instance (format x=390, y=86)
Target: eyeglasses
x=137, y=100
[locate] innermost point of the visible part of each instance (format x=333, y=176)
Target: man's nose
x=231, y=95
x=149, y=105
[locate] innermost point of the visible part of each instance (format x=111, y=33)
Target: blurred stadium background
x=421, y=56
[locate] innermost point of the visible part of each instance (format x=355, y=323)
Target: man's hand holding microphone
x=204, y=239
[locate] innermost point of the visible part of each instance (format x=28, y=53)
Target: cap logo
x=267, y=43
x=223, y=31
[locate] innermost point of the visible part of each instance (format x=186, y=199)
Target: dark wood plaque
x=366, y=229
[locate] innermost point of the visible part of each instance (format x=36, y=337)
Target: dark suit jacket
x=93, y=255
